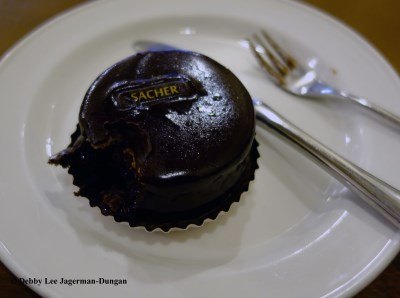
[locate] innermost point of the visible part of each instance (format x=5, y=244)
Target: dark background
x=378, y=21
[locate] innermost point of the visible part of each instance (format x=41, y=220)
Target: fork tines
x=274, y=60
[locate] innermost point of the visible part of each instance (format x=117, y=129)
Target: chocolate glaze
x=169, y=161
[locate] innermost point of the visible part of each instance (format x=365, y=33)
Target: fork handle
x=380, y=195
x=322, y=89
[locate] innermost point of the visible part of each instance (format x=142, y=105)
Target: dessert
x=164, y=140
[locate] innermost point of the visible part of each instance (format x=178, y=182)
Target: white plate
x=297, y=232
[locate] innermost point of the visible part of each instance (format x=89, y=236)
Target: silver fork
x=298, y=79
x=380, y=195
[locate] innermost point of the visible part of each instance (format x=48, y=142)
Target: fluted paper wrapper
x=182, y=221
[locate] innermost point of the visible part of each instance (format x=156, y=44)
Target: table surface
x=376, y=20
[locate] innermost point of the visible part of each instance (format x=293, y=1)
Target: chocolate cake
x=165, y=139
